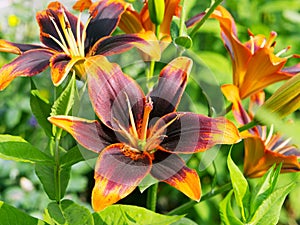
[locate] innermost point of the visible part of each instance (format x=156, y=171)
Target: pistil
x=148, y=108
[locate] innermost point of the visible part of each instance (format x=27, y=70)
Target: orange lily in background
x=142, y=134
x=139, y=22
x=262, y=150
x=255, y=66
x=67, y=42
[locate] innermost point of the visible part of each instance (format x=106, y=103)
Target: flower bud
x=285, y=100
x=156, y=10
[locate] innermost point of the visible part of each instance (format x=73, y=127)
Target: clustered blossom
x=137, y=134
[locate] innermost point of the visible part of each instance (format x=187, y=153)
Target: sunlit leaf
x=17, y=149
x=126, y=214
x=50, y=176
x=269, y=211
x=240, y=186
x=226, y=211
x=10, y=215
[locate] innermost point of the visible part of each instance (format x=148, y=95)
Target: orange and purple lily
x=262, y=150
x=255, y=66
x=67, y=42
x=139, y=22
x=140, y=134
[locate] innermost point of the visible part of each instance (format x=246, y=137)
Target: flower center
x=71, y=45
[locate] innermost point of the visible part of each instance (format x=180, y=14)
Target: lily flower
x=262, y=149
x=140, y=134
x=139, y=22
x=255, y=66
x=67, y=42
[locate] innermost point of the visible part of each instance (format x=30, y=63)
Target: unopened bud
x=156, y=10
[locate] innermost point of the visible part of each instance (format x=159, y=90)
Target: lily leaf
x=65, y=102
x=240, y=186
x=69, y=212
x=264, y=188
x=11, y=215
x=227, y=214
x=17, y=149
x=269, y=211
x=41, y=109
x=49, y=176
x=128, y=215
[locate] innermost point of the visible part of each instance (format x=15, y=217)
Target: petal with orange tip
x=81, y=5
x=16, y=48
x=119, y=169
x=114, y=95
x=231, y=92
x=130, y=22
x=190, y=132
x=171, y=169
x=61, y=64
x=261, y=72
x=239, y=53
x=91, y=134
x=258, y=159
x=171, y=84
x=105, y=16
x=28, y=64
x=146, y=42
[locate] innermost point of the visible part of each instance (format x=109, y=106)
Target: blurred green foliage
x=19, y=185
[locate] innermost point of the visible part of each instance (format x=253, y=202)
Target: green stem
x=182, y=19
x=185, y=207
x=248, y=126
x=205, y=17
x=57, y=170
x=152, y=197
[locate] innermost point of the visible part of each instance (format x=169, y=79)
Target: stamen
x=62, y=44
x=72, y=40
x=78, y=33
x=271, y=39
x=148, y=108
x=283, y=51
x=252, y=45
x=270, y=134
x=81, y=48
x=283, y=144
x=135, y=133
x=126, y=134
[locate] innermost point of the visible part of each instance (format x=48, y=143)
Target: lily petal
x=110, y=45
x=130, y=22
x=258, y=159
x=171, y=169
x=263, y=73
x=239, y=53
x=172, y=81
x=91, y=134
x=190, y=132
x=55, y=12
x=16, y=48
x=112, y=92
x=61, y=65
x=118, y=171
x=105, y=17
x=28, y=64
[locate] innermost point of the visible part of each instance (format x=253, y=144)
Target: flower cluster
x=135, y=134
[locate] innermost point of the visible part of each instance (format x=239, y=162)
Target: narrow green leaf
x=76, y=214
x=48, y=176
x=41, y=109
x=127, y=215
x=55, y=213
x=74, y=155
x=9, y=215
x=264, y=188
x=17, y=149
x=226, y=212
x=240, y=186
x=269, y=211
x=64, y=103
